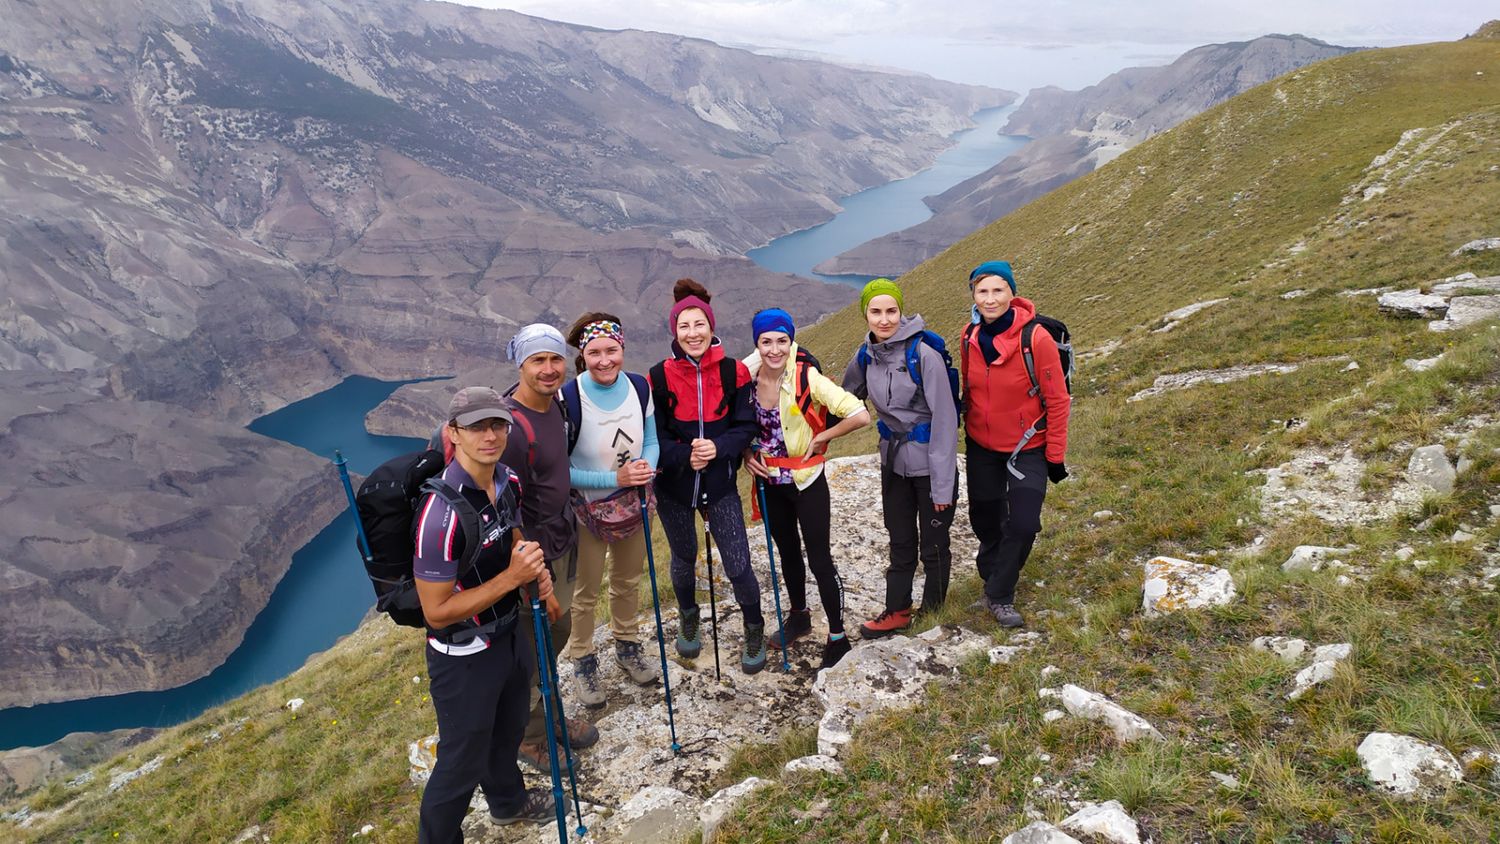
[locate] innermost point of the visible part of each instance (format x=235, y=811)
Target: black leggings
x=786, y=508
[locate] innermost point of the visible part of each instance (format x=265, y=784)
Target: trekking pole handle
x=359, y=526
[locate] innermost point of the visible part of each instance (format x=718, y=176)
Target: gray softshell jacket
x=901, y=405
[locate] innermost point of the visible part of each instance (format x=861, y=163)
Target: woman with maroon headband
x=704, y=422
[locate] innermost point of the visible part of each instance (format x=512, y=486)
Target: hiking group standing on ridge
x=523, y=500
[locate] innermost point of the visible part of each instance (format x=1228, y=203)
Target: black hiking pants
x=1006, y=513
x=917, y=532
x=481, y=712
x=787, y=509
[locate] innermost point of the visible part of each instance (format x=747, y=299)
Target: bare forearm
x=442, y=606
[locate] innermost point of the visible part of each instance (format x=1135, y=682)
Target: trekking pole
x=765, y=519
x=661, y=637
x=543, y=668
x=713, y=603
x=562, y=721
x=359, y=527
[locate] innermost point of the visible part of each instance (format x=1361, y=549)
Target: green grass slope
x=1261, y=196
x=1253, y=199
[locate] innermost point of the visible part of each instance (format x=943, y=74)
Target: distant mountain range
x=210, y=209
x=1075, y=132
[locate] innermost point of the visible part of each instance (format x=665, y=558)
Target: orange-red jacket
x=997, y=406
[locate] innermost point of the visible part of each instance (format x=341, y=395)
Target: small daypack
x=573, y=404
x=914, y=364
x=386, y=506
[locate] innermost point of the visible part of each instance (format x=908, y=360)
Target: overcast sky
x=1071, y=43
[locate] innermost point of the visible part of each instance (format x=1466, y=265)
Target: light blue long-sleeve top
x=608, y=399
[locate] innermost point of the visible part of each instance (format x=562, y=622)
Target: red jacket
x=679, y=386
x=997, y=407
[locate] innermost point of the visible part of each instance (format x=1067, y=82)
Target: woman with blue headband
x=794, y=403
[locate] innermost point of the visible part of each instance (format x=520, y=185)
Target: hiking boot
x=586, y=681
x=536, y=807
x=834, y=650
x=581, y=734
x=1006, y=614
x=533, y=754
x=637, y=667
x=688, y=644
x=888, y=622
x=798, y=623
x=754, y=657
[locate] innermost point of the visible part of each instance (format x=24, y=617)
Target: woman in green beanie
x=918, y=449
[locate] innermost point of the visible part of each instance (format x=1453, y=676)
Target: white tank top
x=608, y=439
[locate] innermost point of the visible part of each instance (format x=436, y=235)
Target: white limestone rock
x=1226, y=781
x=422, y=756
x=1053, y=715
x=1407, y=767
x=1127, y=726
x=1481, y=245
x=1173, y=585
x=1429, y=467
x=1108, y=821
x=1464, y=311
x=655, y=813
x=1040, y=832
x=1324, y=660
x=887, y=674
x=1422, y=364
x=1312, y=557
x=817, y=763
x=1289, y=649
x=295, y=704
x=1464, y=281
x=119, y=781
x=720, y=806
x=1413, y=304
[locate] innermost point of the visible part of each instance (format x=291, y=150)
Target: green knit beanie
x=880, y=287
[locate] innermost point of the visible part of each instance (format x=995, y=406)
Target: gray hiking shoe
x=536, y=806
x=1006, y=614
x=586, y=681
x=640, y=670
x=688, y=644
x=754, y=657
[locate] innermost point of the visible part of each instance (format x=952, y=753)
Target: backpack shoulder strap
x=468, y=519
x=729, y=382
x=802, y=389
x=529, y=433
x=1029, y=358
x=642, y=390
x=572, y=403
x=863, y=355
x=914, y=358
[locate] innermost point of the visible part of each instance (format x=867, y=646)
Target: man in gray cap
x=538, y=452
x=478, y=667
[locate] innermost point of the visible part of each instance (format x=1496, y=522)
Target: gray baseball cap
x=472, y=404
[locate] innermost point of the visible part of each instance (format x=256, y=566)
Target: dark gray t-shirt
x=543, y=469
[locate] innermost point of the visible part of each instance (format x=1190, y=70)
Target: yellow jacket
x=794, y=427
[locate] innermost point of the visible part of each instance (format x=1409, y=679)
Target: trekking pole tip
x=581, y=831
x=676, y=749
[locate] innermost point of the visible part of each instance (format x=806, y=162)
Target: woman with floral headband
x=612, y=451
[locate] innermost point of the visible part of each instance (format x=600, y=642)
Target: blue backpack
x=914, y=364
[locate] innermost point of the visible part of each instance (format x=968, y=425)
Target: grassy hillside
x=1262, y=196
x=1245, y=202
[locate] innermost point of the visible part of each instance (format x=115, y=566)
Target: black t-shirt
x=543, y=467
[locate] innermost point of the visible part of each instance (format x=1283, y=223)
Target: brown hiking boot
x=888, y=622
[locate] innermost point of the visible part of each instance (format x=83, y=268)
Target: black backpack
x=387, y=505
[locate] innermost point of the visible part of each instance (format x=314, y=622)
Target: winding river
x=325, y=594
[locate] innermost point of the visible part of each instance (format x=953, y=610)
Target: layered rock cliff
x=212, y=209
